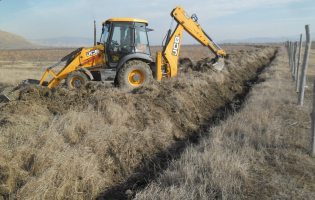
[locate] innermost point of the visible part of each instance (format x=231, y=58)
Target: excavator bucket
x=4, y=97
x=219, y=64
x=12, y=92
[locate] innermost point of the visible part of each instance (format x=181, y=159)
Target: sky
x=222, y=20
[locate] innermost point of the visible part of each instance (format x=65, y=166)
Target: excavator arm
x=168, y=67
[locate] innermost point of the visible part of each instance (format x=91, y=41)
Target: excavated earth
x=101, y=141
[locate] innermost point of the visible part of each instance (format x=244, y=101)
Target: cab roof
x=126, y=20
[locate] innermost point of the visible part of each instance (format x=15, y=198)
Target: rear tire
x=133, y=74
x=76, y=79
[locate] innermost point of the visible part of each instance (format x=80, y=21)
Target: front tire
x=76, y=79
x=134, y=74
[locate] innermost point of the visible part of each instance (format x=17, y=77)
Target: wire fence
x=303, y=81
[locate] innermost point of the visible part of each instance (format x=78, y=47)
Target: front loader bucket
x=11, y=93
x=4, y=98
x=8, y=94
x=219, y=64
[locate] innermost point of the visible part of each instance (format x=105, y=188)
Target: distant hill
x=12, y=41
x=65, y=42
x=87, y=42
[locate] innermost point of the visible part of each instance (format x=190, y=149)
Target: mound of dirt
x=84, y=142
x=203, y=65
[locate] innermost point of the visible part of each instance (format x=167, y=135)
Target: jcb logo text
x=176, y=46
x=91, y=53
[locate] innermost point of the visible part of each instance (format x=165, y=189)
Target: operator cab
x=122, y=37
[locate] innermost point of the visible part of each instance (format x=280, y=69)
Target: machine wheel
x=76, y=79
x=133, y=74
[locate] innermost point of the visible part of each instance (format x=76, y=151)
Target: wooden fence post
x=298, y=66
x=304, y=66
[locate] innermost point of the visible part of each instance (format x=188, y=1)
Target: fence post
x=304, y=66
x=291, y=56
x=290, y=49
x=294, y=60
x=298, y=66
x=286, y=47
x=312, y=144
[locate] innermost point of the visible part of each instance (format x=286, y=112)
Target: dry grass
x=14, y=77
x=260, y=152
x=56, y=143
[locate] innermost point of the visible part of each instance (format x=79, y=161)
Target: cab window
x=141, y=39
x=120, y=42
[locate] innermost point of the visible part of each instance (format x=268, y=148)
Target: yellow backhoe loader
x=123, y=55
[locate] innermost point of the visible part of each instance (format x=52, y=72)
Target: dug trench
x=103, y=142
x=140, y=180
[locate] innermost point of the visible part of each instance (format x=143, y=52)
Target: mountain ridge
x=64, y=42
x=13, y=41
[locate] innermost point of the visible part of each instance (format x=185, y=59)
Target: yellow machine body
x=169, y=59
x=125, y=52
x=87, y=57
x=94, y=58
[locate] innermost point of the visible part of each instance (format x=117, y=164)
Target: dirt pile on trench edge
x=80, y=143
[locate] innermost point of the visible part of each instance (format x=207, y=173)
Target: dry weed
x=259, y=152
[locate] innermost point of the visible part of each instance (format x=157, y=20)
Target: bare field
x=60, y=144
x=18, y=65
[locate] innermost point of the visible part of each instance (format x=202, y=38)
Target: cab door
x=120, y=42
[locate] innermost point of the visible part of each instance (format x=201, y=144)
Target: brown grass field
x=154, y=142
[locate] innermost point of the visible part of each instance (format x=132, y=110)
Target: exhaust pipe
x=94, y=33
